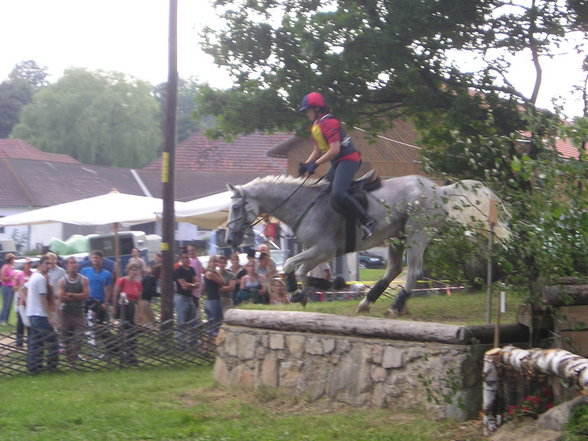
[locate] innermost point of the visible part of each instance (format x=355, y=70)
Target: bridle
x=268, y=214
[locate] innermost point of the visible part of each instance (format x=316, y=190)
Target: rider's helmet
x=313, y=99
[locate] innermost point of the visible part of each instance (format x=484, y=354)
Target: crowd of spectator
x=58, y=307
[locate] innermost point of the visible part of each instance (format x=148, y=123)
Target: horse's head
x=242, y=213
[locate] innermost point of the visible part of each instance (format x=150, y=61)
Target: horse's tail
x=468, y=202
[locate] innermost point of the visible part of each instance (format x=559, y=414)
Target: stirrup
x=368, y=228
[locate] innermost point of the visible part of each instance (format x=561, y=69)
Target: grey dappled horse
x=409, y=208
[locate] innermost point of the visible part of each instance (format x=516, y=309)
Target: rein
x=267, y=215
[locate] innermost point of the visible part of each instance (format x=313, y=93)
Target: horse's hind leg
x=416, y=243
x=393, y=269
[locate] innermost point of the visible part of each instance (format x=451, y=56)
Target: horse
x=409, y=208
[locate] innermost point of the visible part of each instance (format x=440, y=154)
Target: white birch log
x=490, y=390
x=557, y=362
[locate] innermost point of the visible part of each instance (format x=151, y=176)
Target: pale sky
x=131, y=36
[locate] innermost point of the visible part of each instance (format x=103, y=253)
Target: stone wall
x=354, y=370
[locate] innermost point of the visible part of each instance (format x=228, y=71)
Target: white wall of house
x=186, y=231
x=42, y=234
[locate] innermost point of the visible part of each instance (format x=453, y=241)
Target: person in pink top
x=127, y=293
x=7, y=276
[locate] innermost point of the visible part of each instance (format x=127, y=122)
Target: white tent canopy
x=113, y=207
x=206, y=212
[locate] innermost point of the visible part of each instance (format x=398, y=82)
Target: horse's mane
x=287, y=179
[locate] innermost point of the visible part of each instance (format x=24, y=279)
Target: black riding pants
x=341, y=176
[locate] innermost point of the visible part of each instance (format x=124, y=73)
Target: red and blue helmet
x=313, y=99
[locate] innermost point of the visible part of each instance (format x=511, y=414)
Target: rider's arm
x=316, y=153
x=334, y=149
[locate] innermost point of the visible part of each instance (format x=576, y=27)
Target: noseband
x=242, y=216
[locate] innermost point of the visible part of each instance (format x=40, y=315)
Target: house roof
x=566, y=149
x=17, y=149
x=34, y=183
x=32, y=178
x=191, y=185
x=245, y=154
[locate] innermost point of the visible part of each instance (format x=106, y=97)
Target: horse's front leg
x=393, y=269
x=304, y=261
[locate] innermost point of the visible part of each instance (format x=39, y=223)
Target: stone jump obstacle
x=359, y=361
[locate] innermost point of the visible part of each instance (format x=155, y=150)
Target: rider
x=331, y=143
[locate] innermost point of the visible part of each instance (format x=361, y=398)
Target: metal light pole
x=168, y=169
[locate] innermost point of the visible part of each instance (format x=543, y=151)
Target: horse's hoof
x=363, y=307
x=396, y=312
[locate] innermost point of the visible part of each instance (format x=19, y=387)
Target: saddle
x=359, y=189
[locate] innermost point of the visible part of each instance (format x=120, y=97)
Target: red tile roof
x=244, y=154
x=17, y=149
x=565, y=148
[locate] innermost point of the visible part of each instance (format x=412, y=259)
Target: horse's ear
x=231, y=187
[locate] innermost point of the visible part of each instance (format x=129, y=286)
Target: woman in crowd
x=213, y=281
x=7, y=276
x=254, y=284
x=127, y=293
x=278, y=294
x=235, y=266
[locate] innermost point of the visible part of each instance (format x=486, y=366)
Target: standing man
x=184, y=302
x=226, y=291
x=56, y=273
x=73, y=290
x=137, y=259
x=42, y=324
x=100, y=281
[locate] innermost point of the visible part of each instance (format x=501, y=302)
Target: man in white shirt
x=42, y=323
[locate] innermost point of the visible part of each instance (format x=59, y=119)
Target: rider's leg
x=342, y=179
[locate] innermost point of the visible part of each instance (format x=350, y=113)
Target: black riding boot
x=367, y=224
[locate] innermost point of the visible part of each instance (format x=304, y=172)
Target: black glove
x=310, y=168
x=302, y=169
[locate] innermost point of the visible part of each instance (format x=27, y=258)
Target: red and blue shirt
x=326, y=130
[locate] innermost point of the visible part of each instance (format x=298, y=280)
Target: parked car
x=370, y=260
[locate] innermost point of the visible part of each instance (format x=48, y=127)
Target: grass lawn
x=463, y=308
x=185, y=404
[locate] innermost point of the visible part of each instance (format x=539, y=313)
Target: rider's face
x=311, y=114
